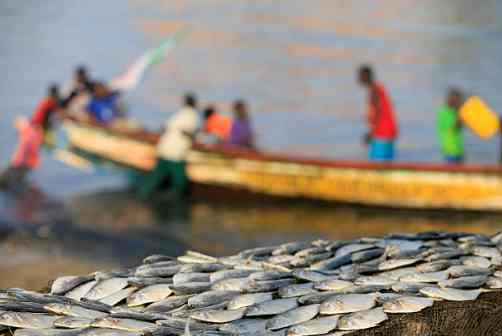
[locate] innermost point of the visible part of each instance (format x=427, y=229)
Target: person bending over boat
x=26, y=155
x=241, y=133
x=449, y=128
x=77, y=93
x=383, y=130
x=47, y=109
x=172, y=150
x=216, y=124
x=104, y=106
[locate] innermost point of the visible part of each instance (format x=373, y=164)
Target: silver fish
x=475, y=281
x=22, y=307
x=187, y=259
x=407, y=304
x=168, y=304
x=310, y=251
x=362, y=320
x=434, y=266
x=158, y=265
x=494, y=282
x=290, y=248
x=270, y=275
x=462, y=271
x=317, y=297
x=190, y=288
x=152, y=272
x=71, y=322
x=297, y=290
x=349, y=303
x=475, y=261
x=200, y=255
x=137, y=314
x=124, y=324
x=425, y=277
x=237, y=284
x=267, y=286
x=149, y=294
x=309, y=260
x=375, y=280
x=73, y=310
x=319, y=326
x=219, y=316
x=79, y=292
x=245, y=326
x=258, y=251
x=351, y=248
x=487, y=252
x=118, y=297
x=106, y=288
x=332, y=263
x=446, y=255
x=396, y=274
x=27, y=320
x=386, y=297
x=157, y=258
x=496, y=238
x=282, y=259
x=186, y=312
x=293, y=317
x=180, y=278
x=106, y=332
x=143, y=282
x=396, y=263
x=47, y=332
x=309, y=275
x=180, y=323
x=333, y=285
x=451, y=294
x=273, y=307
x=409, y=287
x=366, y=255
x=202, y=268
x=229, y=274
x=210, y=298
x=247, y=300
x=64, y=284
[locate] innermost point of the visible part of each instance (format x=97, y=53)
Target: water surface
x=294, y=61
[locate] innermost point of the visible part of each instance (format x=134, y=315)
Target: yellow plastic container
x=480, y=118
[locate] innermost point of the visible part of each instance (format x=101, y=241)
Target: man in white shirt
x=172, y=150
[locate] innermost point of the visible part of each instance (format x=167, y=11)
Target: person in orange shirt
x=26, y=156
x=47, y=108
x=216, y=124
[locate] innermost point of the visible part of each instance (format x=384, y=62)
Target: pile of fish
x=295, y=289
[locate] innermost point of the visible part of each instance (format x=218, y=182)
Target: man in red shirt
x=383, y=130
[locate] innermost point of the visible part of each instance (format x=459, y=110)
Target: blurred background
x=294, y=61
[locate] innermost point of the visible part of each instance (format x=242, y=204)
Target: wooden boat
x=396, y=185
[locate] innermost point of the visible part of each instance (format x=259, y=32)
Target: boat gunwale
x=246, y=154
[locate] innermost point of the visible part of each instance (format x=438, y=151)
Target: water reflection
x=223, y=227
x=293, y=60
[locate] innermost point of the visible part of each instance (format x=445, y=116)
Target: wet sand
x=32, y=265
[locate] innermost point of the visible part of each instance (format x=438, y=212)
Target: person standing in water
x=449, y=128
x=382, y=126
x=173, y=149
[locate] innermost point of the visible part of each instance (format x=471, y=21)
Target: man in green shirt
x=450, y=128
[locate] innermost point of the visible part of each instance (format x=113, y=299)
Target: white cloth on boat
x=175, y=143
